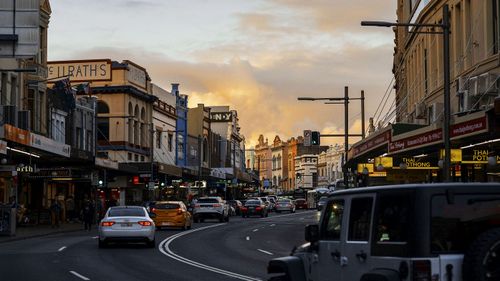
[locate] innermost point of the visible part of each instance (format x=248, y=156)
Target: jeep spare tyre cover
x=482, y=260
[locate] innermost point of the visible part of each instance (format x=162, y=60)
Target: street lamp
x=445, y=31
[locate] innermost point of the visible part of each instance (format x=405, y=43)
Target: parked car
x=404, y=232
x=211, y=207
x=236, y=204
x=127, y=224
x=269, y=207
x=172, y=214
x=322, y=202
x=254, y=207
x=285, y=205
x=300, y=203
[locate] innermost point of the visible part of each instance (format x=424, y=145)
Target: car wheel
x=481, y=260
x=151, y=244
x=102, y=244
x=221, y=218
x=227, y=219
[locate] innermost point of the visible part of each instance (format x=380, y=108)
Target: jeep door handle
x=361, y=256
x=335, y=255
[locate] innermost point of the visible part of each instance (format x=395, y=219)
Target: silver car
x=127, y=224
x=284, y=205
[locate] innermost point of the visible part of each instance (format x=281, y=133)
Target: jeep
x=418, y=232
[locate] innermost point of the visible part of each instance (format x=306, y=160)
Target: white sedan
x=127, y=224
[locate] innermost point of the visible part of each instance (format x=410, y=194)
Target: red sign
x=17, y=135
x=418, y=140
x=369, y=144
x=469, y=127
x=135, y=180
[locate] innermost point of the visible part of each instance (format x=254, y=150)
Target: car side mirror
x=312, y=233
x=152, y=215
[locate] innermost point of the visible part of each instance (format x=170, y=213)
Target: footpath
x=27, y=232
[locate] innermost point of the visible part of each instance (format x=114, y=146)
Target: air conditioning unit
x=487, y=84
x=420, y=110
x=9, y=115
x=464, y=101
x=24, y=119
x=462, y=84
x=473, y=86
x=435, y=112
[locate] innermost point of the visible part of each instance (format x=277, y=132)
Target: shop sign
x=385, y=161
x=471, y=127
x=16, y=135
x=370, y=144
x=78, y=71
x=415, y=164
x=50, y=145
x=478, y=156
x=25, y=169
x=136, y=75
x=368, y=166
x=456, y=155
x=106, y=163
x=221, y=116
x=3, y=147
x=426, y=138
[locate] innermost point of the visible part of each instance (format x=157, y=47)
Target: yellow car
x=171, y=214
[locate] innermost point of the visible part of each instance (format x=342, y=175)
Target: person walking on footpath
x=88, y=215
x=55, y=213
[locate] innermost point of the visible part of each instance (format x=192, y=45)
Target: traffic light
x=315, y=135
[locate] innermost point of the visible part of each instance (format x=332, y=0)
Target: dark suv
x=447, y=232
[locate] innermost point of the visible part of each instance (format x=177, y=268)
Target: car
x=322, y=202
x=254, y=207
x=172, y=214
x=300, y=203
x=448, y=231
x=285, y=205
x=268, y=203
x=127, y=224
x=236, y=204
x=211, y=207
x=272, y=203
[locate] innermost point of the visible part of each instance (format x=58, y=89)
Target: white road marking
x=95, y=237
x=272, y=225
x=164, y=248
x=248, y=238
x=265, y=252
x=301, y=218
x=79, y=275
x=255, y=230
x=62, y=248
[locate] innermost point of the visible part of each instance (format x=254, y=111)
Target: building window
x=136, y=158
x=158, y=139
x=170, y=145
x=79, y=138
x=142, y=158
x=495, y=10
x=129, y=157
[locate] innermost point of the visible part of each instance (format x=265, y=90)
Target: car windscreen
x=252, y=203
x=284, y=201
x=126, y=212
x=167, y=206
x=207, y=200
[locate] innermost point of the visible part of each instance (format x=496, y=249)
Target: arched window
x=279, y=161
x=102, y=122
x=130, y=123
x=274, y=181
x=143, y=114
x=279, y=181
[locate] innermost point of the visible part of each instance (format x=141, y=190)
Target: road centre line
x=265, y=252
x=79, y=275
x=255, y=230
x=62, y=248
x=248, y=238
x=272, y=225
x=164, y=248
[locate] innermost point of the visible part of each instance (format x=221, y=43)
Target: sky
x=256, y=56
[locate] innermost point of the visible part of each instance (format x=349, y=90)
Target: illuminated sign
x=456, y=155
x=385, y=161
x=91, y=70
x=414, y=164
x=221, y=116
x=368, y=166
x=478, y=156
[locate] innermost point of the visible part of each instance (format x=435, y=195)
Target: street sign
x=151, y=185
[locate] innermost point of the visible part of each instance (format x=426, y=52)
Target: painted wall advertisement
x=84, y=70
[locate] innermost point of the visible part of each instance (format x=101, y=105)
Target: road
x=238, y=250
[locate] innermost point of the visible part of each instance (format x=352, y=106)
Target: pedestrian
x=55, y=213
x=88, y=215
x=70, y=209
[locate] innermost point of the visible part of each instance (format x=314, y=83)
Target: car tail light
x=197, y=205
x=258, y=208
x=153, y=210
x=244, y=208
x=277, y=205
x=107, y=223
x=422, y=270
x=145, y=223
x=217, y=205
x=179, y=211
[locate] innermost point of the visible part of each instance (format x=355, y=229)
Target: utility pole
x=362, y=114
x=151, y=182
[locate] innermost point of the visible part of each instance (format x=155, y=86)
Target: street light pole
x=445, y=31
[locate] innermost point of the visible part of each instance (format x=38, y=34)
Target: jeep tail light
x=145, y=223
x=107, y=223
x=421, y=270
x=244, y=209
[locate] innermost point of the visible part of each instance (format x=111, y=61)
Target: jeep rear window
x=459, y=219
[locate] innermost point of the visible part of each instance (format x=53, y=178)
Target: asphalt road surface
x=238, y=250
